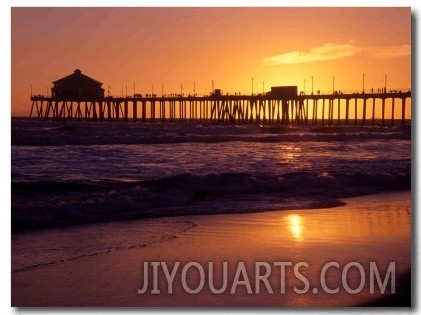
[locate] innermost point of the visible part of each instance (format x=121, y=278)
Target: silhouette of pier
x=79, y=97
x=327, y=109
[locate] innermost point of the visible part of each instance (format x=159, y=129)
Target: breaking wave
x=59, y=203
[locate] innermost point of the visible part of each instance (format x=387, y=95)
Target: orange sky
x=179, y=46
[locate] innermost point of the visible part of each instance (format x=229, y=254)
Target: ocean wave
x=41, y=204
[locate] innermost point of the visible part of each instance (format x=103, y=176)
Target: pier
x=327, y=109
x=79, y=97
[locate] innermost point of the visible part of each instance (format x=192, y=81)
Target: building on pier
x=77, y=87
x=284, y=91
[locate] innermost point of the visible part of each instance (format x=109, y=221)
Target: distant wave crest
x=106, y=133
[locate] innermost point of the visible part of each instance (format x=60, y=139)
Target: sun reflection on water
x=291, y=152
x=296, y=226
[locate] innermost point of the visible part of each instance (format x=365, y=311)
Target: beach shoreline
x=112, y=279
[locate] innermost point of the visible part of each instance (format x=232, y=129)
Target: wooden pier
x=327, y=109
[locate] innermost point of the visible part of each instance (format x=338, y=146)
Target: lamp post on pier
x=311, y=85
x=363, y=82
x=385, y=80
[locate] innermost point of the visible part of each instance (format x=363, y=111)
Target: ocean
x=70, y=173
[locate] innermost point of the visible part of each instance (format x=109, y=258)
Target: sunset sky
x=170, y=47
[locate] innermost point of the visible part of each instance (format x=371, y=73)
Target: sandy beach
x=374, y=228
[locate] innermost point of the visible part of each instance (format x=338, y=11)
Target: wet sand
x=375, y=228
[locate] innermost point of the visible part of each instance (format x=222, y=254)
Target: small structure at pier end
x=77, y=87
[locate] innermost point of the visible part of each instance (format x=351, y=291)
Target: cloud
x=325, y=52
x=329, y=51
x=390, y=51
